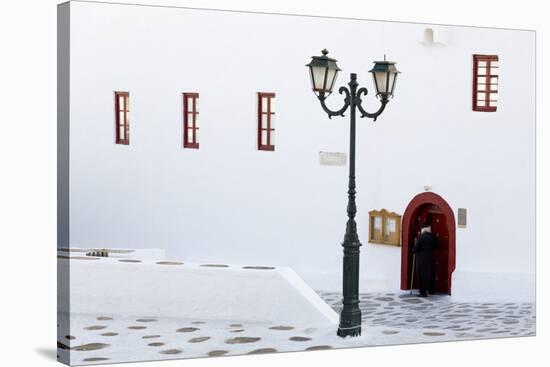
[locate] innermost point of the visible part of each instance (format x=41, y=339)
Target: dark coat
x=424, y=250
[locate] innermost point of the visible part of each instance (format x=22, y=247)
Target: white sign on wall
x=333, y=158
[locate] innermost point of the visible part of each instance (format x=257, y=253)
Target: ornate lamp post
x=323, y=72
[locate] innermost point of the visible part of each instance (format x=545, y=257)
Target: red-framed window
x=122, y=118
x=190, y=120
x=485, y=83
x=266, y=127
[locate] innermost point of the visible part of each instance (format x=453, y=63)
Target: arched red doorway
x=443, y=226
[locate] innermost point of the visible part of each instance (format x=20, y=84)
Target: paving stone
x=281, y=327
x=95, y=327
x=169, y=263
x=299, y=339
x=217, y=353
x=109, y=334
x=198, y=339
x=171, y=351
x=90, y=346
x=433, y=333
x=319, y=347
x=242, y=340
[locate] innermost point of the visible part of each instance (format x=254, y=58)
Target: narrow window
x=122, y=117
x=190, y=120
x=485, y=83
x=266, y=130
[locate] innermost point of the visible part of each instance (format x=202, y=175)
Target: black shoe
x=422, y=295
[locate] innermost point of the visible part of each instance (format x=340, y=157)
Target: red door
x=441, y=255
x=443, y=226
x=439, y=228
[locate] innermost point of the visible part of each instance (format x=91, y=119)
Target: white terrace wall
x=229, y=202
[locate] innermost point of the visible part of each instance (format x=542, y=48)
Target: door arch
x=419, y=205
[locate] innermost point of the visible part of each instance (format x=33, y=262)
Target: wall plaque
x=462, y=217
x=333, y=159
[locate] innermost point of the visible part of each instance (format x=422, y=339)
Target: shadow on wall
x=49, y=353
x=434, y=37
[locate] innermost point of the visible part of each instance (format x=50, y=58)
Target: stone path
x=388, y=319
x=456, y=319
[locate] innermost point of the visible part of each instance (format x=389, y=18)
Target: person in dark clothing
x=424, y=251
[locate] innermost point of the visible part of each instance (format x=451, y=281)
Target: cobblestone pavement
x=388, y=319
x=460, y=320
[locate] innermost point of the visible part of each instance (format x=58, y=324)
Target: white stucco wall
x=229, y=202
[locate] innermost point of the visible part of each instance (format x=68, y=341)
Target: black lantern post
x=323, y=72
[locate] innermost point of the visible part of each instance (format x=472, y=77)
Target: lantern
x=384, y=74
x=323, y=71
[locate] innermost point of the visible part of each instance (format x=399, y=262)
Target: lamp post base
x=354, y=331
x=350, y=316
x=350, y=320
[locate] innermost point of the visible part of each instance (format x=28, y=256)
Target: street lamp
x=323, y=72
